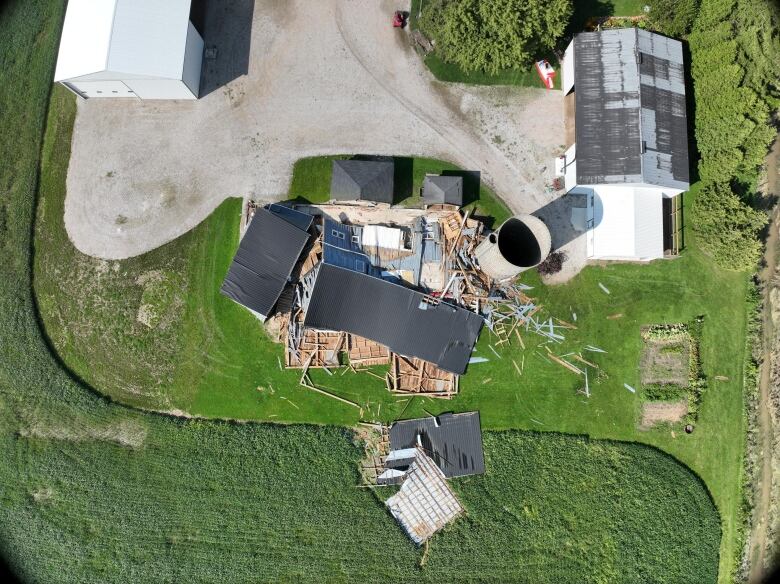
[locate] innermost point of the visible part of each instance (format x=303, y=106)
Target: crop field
x=93, y=490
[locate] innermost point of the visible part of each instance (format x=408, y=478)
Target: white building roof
x=135, y=38
x=627, y=223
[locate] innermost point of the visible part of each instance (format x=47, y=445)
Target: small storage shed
x=437, y=190
x=362, y=180
x=130, y=48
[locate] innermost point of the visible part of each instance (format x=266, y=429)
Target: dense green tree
x=727, y=228
x=490, y=35
x=673, y=17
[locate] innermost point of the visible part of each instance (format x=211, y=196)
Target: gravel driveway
x=325, y=77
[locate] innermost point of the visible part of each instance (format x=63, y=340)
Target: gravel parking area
x=308, y=78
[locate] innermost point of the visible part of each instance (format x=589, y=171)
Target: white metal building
x=147, y=49
x=625, y=96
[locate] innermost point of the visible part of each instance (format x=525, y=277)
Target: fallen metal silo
x=520, y=243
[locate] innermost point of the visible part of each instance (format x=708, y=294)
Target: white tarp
x=381, y=236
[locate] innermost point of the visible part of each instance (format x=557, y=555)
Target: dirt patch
x=660, y=412
x=125, y=433
x=665, y=362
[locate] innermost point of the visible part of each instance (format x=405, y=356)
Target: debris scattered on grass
x=615, y=316
x=721, y=378
x=494, y=351
x=629, y=388
x=593, y=349
x=478, y=360
x=603, y=287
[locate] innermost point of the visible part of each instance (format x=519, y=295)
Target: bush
x=727, y=228
x=490, y=35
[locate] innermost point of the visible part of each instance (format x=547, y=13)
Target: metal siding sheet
x=648, y=223
x=390, y=314
x=455, y=445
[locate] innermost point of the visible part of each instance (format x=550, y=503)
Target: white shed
x=130, y=48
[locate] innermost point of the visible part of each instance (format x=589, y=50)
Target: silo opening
x=518, y=244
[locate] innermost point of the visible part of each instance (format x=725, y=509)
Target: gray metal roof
x=362, y=180
x=443, y=189
x=453, y=441
x=630, y=118
x=395, y=316
x=264, y=261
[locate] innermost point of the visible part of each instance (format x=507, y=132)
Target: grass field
x=96, y=491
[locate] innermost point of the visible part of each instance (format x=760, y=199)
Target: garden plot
x=670, y=373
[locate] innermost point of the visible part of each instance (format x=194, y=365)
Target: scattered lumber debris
x=413, y=375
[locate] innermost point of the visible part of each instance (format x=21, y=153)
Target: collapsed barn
x=364, y=283
x=420, y=456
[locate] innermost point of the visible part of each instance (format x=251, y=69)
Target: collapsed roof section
x=453, y=441
x=630, y=114
x=408, y=322
x=425, y=503
x=362, y=180
x=266, y=257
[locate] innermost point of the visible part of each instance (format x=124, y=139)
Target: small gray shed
x=442, y=189
x=362, y=180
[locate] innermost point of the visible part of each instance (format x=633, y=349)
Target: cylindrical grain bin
x=520, y=243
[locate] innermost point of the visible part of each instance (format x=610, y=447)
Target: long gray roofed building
x=266, y=257
x=362, y=180
x=404, y=320
x=453, y=441
x=443, y=189
x=630, y=119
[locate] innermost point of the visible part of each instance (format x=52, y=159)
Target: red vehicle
x=399, y=19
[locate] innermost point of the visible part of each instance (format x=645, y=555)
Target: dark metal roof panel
x=453, y=441
x=264, y=261
x=443, y=189
x=296, y=218
x=395, y=316
x=362, y=180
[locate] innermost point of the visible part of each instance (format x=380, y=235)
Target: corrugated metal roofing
x=264, y=261
x=362, y=180
x=400, y=318
x=135, y=37
x=453, y=441
x=630, y=117
x=296, y=218
x=443, y=189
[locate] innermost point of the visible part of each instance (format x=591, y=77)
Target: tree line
x=735, y=61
